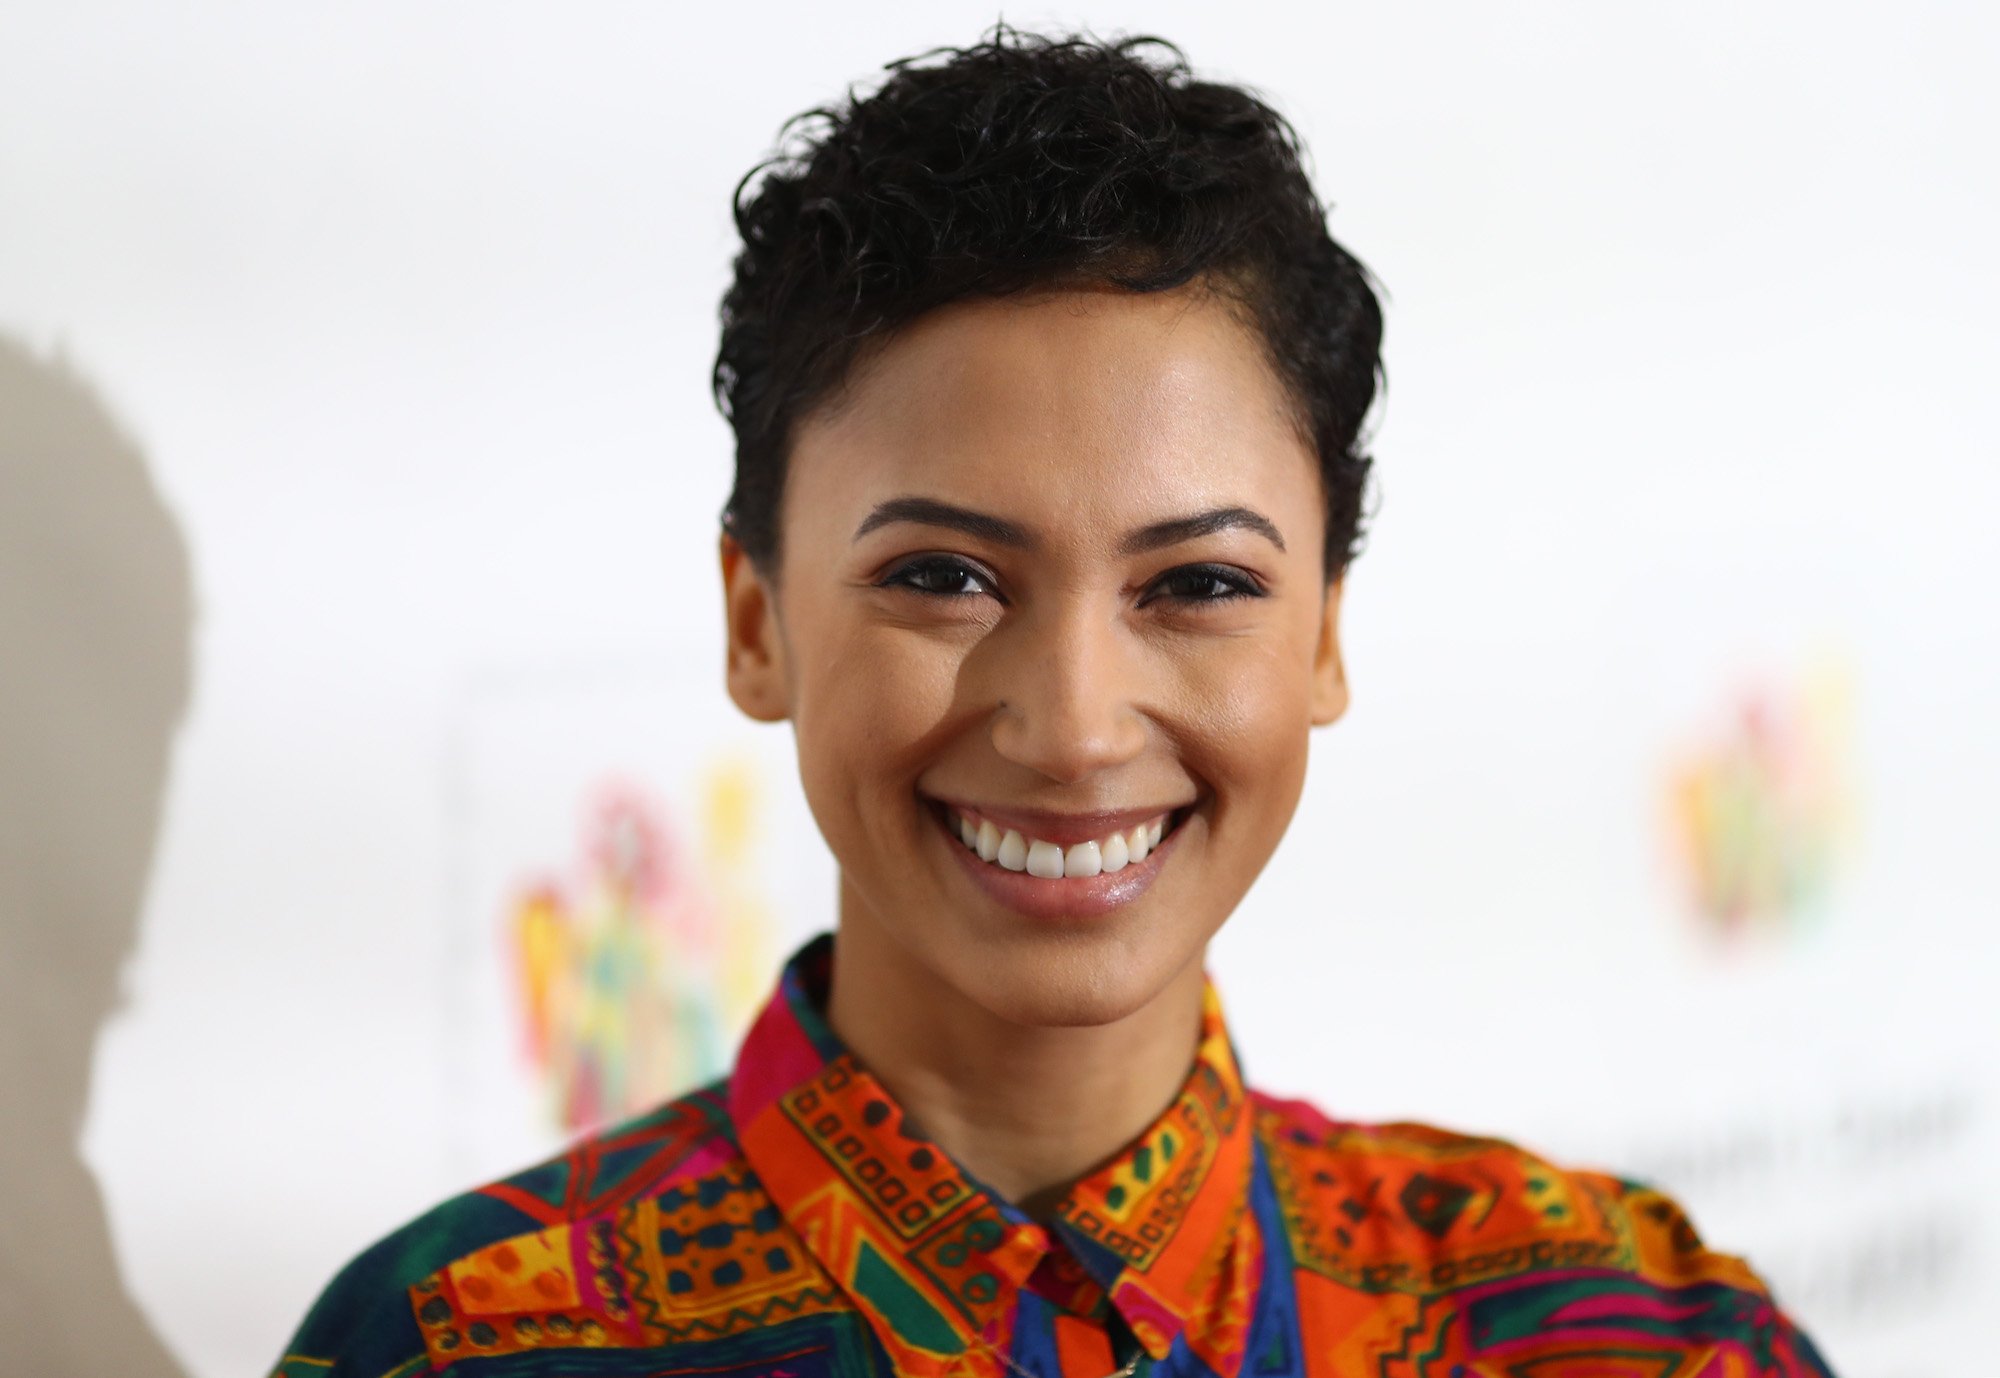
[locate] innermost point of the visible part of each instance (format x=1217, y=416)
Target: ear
x=1329, y=686
x=758, y=677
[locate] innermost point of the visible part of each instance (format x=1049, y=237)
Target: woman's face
x=1051, y=579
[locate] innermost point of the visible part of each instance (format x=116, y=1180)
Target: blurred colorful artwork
x=630, y=860
x=1762, y=808
x=634, y=971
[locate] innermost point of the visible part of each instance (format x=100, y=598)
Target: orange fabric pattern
x=792, y=1222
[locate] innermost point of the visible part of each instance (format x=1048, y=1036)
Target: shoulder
x=1413, y=1199
x=396, y=1306
x=1439, y=1223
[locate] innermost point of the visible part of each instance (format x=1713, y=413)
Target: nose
x=1068, y=696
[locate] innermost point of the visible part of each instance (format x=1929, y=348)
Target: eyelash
x=1235, y=583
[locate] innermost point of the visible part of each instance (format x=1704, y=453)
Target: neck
x=1028, y=1111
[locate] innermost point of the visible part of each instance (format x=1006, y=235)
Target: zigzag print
x=740, y=1318
x=632, y=1255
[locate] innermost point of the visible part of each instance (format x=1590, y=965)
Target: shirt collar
x=935, y=1260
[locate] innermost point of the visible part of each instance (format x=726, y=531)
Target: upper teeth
x=1049, y=861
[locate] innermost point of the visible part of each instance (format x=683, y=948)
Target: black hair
x=1021, y=161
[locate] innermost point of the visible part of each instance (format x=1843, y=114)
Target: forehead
x=1095, y=403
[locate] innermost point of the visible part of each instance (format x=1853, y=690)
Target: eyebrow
x=985, y=526
x=1177, y=529
x=930, y=512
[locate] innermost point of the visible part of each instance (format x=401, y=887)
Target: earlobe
x=757, y=676
x=1329, y=694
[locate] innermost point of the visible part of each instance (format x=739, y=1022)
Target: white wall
x=410, y=310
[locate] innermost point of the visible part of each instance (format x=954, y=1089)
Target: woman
x=1047, y=384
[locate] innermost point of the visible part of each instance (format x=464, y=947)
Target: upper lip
x=1063, y=829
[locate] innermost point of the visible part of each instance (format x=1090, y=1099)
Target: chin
x=1064, y=985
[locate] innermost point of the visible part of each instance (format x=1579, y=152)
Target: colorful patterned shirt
x=789, y=1222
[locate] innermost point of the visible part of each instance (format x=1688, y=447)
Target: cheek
x=869, y=705
x=1247, y=713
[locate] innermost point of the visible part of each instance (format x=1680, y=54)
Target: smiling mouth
x=1011, y=850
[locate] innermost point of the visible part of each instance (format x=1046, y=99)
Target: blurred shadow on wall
x=96, y=613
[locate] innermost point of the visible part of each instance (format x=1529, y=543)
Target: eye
x=1198, y=584
x=941, y=576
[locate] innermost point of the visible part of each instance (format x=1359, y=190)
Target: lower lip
x=1072, y=897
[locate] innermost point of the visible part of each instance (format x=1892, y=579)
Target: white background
x=1691, y=322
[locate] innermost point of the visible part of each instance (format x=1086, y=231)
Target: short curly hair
x=1021, y=161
